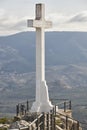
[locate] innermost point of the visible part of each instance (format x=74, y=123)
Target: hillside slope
x=66, y=69
x=17, y=52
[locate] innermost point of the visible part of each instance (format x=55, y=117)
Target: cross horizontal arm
x=39, y=24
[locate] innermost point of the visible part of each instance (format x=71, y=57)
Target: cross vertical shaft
x=42, y=103
x=40, y=60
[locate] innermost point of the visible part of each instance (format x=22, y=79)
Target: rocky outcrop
x=19, y=124
x=4, y=126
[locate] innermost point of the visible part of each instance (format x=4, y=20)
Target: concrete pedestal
x=44, y=105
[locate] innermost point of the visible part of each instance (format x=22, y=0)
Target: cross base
x=44, y=105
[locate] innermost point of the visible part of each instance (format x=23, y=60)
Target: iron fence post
x=54, y=123
x=55, y=110
x=64, y=106
x=27, y=105
x=66, y=122
x=37, y=124
x=51, y=121
x=17, y=109
x=47, y=121
x=77, y=125
x=43, y=121
x=70, y=106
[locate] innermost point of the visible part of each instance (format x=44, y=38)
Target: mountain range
x=66, y=68
x=17, y=52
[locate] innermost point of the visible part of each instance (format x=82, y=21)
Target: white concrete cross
x=42, y=103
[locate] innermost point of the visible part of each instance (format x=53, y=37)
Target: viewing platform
x=60, y=118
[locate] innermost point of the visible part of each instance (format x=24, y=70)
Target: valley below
x=66, y=70
x=64, y=82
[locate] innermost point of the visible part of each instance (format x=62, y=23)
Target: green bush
x=3, y=120
x=3, y=128
x=58, y=122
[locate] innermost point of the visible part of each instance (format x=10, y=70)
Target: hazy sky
x=66, y=15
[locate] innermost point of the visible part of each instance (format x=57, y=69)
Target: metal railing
x=75, y=125
x=47, y=121
x=24, y=107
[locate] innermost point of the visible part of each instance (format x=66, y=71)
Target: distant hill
x=17, y=52
x=66, y=69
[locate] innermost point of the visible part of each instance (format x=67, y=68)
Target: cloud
x=2, y=12
x=57, y=19
x=2, y=1
x=9, y=27
x=69, y=22
x=80, y=17
x=11, y=24
x=19, y=25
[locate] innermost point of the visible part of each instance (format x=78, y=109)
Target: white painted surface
x=42, y=103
